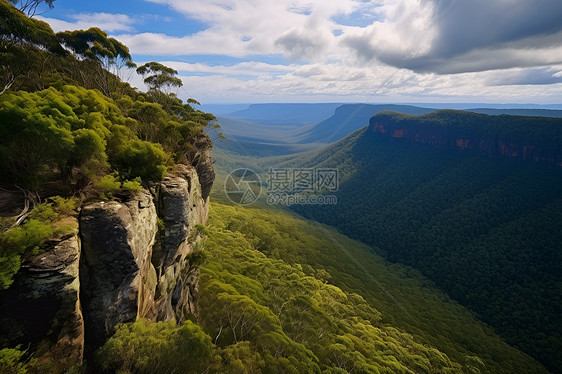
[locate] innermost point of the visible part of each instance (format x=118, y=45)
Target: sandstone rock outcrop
x=43, y=306
x=115, y=268
x=136, y=256
x=128, y=258
x=176, y=291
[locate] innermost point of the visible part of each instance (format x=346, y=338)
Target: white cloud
x=105, y=21
x=244, y=68
x=337, y=82
x=299, y=29
x=356, y=50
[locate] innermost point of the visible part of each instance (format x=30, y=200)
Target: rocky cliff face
x=128, y=258
x=526, y=138
x=43, y=306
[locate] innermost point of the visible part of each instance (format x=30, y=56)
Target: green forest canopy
x=485, y=230
x=279, y=295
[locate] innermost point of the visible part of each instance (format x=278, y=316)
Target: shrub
x=12, y=361
x=44, y=222
x=145, y=347
x=133, y=185
x=107, y=185
x=44, y=212
x=9, y=266
x=64, y=206
x=143, y=159
x=27, y=237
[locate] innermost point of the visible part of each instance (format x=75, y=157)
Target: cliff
x=127, y=258
x=535, y=139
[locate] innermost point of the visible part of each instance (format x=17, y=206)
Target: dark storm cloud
x=479, y=35
x=465, y=25
x=530, y=76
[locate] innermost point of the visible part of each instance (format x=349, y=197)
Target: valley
x=480, y=217
x=280, y=187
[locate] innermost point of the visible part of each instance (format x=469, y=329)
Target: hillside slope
x=287, y=264
x=279, y=294
x=481, y=217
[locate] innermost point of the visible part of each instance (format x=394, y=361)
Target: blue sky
x=242, y=51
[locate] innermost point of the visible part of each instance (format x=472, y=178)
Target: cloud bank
x=375, y=50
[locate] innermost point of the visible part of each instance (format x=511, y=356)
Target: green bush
x=12, y=361
x=140, y=159
x=89, y=146
x=64, y=206
x=26, y=237
x=44, y=212
x=133, y=185
x=9, y=266
x=14, y=242
x=44, y=222
x=107, y=185
x=144, y=347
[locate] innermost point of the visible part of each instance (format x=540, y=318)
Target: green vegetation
x=78, y=136
x=45, y=221
x=144, y=347
x=543, y=132
x=278, y=294
x=485, y=230
x=13, y=361
x=88, y=134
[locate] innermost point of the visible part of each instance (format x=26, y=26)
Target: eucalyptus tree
x=32, y=7
x=96, y=46
x=21, y=37
x=159, y=77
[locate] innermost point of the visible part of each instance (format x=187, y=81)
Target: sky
x=368, y=51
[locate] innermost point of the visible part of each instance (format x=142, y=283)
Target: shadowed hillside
x=480, y=217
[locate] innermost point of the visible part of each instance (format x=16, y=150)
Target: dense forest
x=486, y=229
x=282, y=295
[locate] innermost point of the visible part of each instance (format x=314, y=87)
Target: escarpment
x=127, y=258
x=535, y=139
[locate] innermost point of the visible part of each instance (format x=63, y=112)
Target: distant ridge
x=467, y=106
x=285, y=114
x=351, y=117
x=537, y=139
x=282, y=129
x=519, y=112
